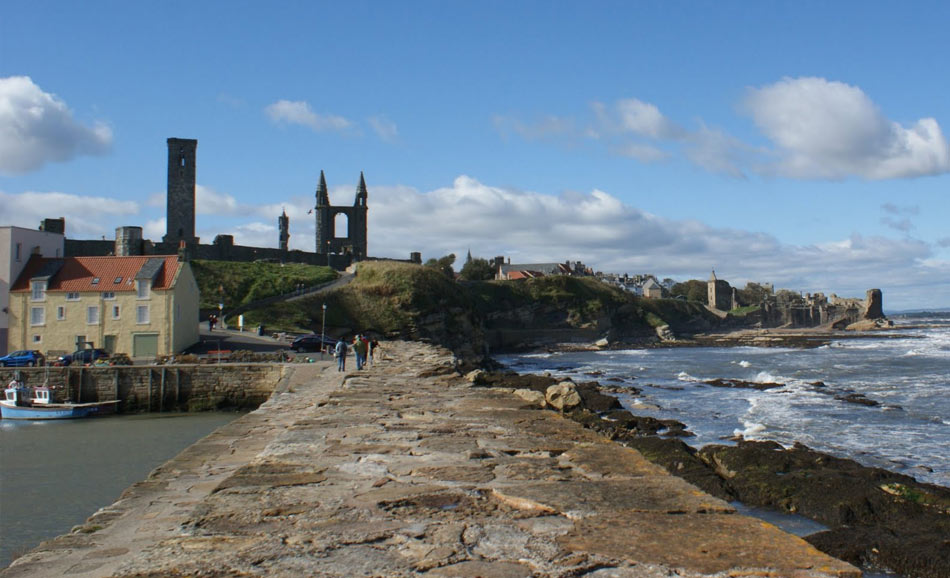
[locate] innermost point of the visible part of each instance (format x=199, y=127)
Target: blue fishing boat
x=18, y=403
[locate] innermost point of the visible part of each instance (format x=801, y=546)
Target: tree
x=753, y=294
x=693, y=290
x=443, y=264
x=477, y=270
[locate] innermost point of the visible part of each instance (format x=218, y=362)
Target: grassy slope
x=238, y=283
x=398, y=298
x=385, y=297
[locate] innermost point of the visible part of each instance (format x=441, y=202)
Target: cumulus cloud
x=86, y=217
x=299, y=112
x=37, y=127
x=816, y=129
x=831, y=130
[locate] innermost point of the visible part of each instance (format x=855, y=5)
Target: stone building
x=720, y=294
x=328, y=240
x=144, y=306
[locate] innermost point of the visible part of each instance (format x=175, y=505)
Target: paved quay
x=406, y=469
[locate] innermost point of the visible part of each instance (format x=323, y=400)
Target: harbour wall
x=157, y=388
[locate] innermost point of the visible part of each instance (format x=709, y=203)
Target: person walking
x=359, y=348
x=340, y=353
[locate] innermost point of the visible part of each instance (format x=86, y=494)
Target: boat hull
x=61, y=412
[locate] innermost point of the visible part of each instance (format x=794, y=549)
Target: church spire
x=361, y=193
x=323, y=199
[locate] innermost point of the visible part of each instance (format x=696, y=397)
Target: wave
x=752, y=430
x=744, y=363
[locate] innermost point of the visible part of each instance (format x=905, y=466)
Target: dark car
x=24, y=358
x=83, y=357
x=312, y=343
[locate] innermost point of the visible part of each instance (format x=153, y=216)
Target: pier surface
x=406, y=469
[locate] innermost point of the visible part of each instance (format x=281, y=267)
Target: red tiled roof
x=78, y=273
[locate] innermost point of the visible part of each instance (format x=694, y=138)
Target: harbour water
x=902, y=422
x=55, y=474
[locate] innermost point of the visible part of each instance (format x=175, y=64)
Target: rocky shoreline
x=876, y=518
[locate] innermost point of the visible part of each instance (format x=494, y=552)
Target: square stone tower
x=180, y=212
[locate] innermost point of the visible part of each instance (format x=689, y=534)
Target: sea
x=883, y=401
x=55, y=474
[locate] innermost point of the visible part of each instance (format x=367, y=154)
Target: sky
x=803, y=144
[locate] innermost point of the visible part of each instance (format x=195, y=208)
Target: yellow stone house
x=143, y=306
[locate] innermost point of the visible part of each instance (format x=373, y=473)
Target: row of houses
x=641, y=285
x=144, y=306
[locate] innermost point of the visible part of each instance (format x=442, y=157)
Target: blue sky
x=798, y=143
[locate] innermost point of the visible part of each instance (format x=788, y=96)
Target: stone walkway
x=405, y=469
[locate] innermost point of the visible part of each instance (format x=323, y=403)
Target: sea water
x=55, y=474
x=906, y=371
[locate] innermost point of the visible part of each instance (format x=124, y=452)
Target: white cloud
x=211, y=202
x=86, y=217
x=384, y=128
x=645, y=119
x=299, y=112
x=600, y=230
x=830, y=130
x=36, y=128
x=818, y=129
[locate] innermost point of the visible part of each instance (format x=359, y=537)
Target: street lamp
x=323, y=331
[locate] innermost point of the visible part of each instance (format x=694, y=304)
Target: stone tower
x=180, y=213
x=328, y=239
x=719, y=293
x=324, y=220
x=283, y=222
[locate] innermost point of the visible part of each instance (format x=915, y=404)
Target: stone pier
x=406, y=469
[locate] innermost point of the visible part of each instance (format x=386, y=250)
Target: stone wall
x=156, y=388
x=222, y=250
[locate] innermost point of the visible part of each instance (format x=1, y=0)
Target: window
x=37, y=316
x=117, y=280
x=115, y=311
x=92, y=315
x=37, y=339
x=142, y=288
x=72, y=296
x=108, y=295
x=95, y=280
x=60, y=313
x=39, y=290
x=141, y=314
x=19, y=249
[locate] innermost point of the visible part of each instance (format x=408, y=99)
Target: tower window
x=181, y=161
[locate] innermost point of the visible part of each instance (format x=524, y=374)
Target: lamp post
x=323, y=331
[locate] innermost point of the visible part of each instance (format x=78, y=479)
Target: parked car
x=82, y=357
x=26, y=357
x=312, y=343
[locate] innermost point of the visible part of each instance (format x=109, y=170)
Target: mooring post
x=115, y=384
x=177, y=386
x=161, y=400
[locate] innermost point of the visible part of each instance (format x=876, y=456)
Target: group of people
x=363, y=349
